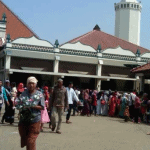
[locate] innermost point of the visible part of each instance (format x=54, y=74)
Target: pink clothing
x=94, y=100
x=86, y=96
x=112, y=106
x=137, y=102
x=44, y=114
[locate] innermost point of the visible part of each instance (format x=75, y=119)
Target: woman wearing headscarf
x=144, y=106
x=123, y=105
x=30, y=115
x=104, y=104
x=137, y=107
x=46, y=93
x=112, y=105
x=20, y=89
x=118, y=106
x=99, y=103
x=86, y=108
x=94, y=101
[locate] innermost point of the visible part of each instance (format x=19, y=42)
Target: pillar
x=139, y=83
x=56, y=69
x=56, y=66
x=7, y=67
x=99, y=73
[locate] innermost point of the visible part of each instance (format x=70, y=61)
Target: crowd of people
x=40, y=106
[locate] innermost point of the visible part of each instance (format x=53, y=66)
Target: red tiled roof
x=15, y=26
x=141, y=68
x=96, y=37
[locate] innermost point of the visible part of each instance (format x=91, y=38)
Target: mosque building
x=95, y=60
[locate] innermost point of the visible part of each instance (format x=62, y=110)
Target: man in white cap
x=71, y=98
x=58, y=101
x=29, y=125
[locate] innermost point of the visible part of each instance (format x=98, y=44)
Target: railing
x=78, y=52
x=119, y=57
x=32, y=48
x=143, y=59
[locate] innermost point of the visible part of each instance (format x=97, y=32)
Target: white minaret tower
x=128, y=18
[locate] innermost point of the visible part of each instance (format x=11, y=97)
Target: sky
x=68, y=19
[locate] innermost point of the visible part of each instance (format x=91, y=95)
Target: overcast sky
x=67, y=19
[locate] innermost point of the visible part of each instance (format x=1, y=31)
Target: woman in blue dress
x=124, y=102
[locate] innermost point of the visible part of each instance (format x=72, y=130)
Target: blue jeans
x=69, y=111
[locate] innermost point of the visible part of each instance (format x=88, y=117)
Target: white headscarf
x=133, y=96
x=32, y=79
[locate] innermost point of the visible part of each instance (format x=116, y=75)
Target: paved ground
x=86, y=133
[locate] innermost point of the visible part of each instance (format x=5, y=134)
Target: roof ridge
x=19, y=19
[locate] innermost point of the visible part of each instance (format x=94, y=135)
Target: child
x=44, y=115
x=13, y=93
x=126, y=114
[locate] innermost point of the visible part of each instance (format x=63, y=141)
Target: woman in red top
x=86, y=109
x=118, y=101
x=112, y=105
x=46, y=93
x=94, y=101
x=137, y=107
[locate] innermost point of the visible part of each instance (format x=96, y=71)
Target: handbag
x=26, y=116
x=103, y=102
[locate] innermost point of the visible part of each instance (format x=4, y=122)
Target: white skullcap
x=133, y=96
x=32, y=79
x=7, y=81
x=60, y=80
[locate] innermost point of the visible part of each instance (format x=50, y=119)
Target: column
x=56, y=66
x=139, y=84
x=7, y=67
x=56, y=69
x=99, y=73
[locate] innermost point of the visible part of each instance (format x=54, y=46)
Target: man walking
x=58, y=101
x=71, y=97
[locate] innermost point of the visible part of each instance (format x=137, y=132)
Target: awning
x=70, y=75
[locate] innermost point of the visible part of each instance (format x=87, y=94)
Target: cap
x=7, y=81
x=60, y=80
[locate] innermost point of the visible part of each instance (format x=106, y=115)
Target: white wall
x=119, y=51
x=134, y=26
x=122, y=24
x=127, y=23
x=32, y=41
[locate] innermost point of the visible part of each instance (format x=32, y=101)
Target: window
x=134, y=6
x=124, y=5
x=121, y=5
x=128, y=5
x=137, y=6
x=118, y=6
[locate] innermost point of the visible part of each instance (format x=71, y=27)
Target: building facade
x=95, y=60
